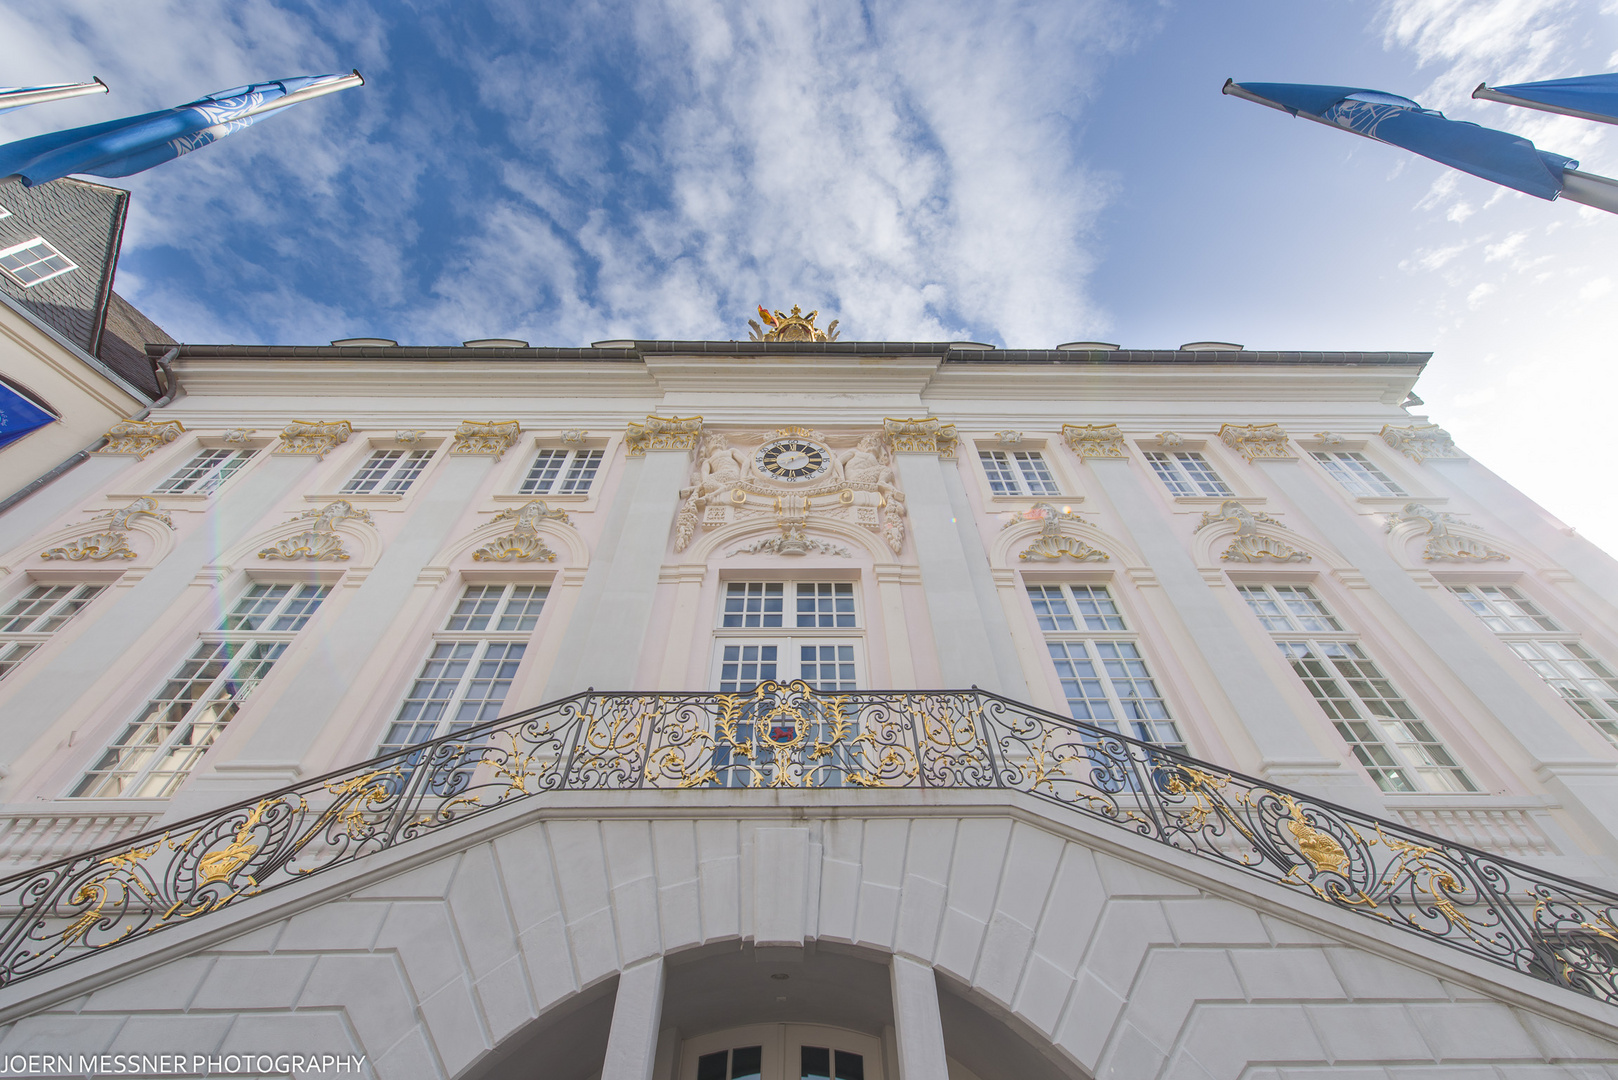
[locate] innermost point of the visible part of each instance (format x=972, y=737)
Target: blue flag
x=1506, y=159
x=1592, y=97
x=136, y=143
x=15, y=97
x=19, y=415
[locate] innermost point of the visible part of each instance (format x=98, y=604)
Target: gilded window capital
x=490, y=438
x=1421, y=441
x=924, y=435
x=663, y=433
x=1254, y=441
x=140, y=437
x=1094, y=440
x=317, y=437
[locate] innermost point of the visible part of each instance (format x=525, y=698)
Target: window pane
x=816, y=1063
x=1036, y=477
x=1355, y=472
x=255, y=607
x=1050, y=607
x=13, y=654
x=1081, y=683
x=1167, y=470
x=406, y=470
x=522, y=608
x=204, y=472
x=743, y=667
x=475, y=608
x=745, y=1062
x=754, y=603
x=827, y=667
x=581, y=473
x=825, y=604
x=1202, y=474
x=1266, y=607
x=850, y=1066
x=712, y=1066
x=1095, y=605
x=371, y=473
x=1306, y=609
x=43, y=609
x=1002, y=481
x=542, y=473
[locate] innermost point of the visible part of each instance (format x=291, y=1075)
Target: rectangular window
x=156, y=751
x=204, y=472
x=33, y=261
x=470, y=664
x=1186, y=473
x=388, y=472
x=1355, y=472
x=815, y=652
x=1555, y=655
x=561, y=472
x=1019, y=472
x=1099, y=664
x=35, y=616
x=1380, y=727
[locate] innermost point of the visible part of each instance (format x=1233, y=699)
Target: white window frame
x=55, y=253
x=1018, y=473
x=399, y=468
x=1182, y=481
x=211, y=465
x=1109, y=652
x=240, y=652
x=833, y=617
x=576, y=471
x=30, y=620
x=1586, y=682
x=481, y=632
x=1402, y=754
x=1357, y=474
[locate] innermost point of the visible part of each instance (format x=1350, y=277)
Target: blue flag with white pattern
x=137, y=143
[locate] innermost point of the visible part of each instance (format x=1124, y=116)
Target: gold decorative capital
x=1254, y=441
x=1094, y=440
x=317, y=437
x=663, y=433
x=491, y=438
x=924, y=435
x=791, y=327
x=140, y=437
x=1421, y=441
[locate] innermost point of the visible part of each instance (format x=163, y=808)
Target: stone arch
x=1104, y=954
x=362, y=541
x=1406, y=539
x=1209, y=544
x=710, y=541
x=151, y=541
x=1010, y=541
x=570, y=546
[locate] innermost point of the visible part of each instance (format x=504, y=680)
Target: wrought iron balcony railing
x=789, y=736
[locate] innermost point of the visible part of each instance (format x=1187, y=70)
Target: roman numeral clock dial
x=793, y=460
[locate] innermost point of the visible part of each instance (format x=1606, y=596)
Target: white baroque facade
x=1384, y=852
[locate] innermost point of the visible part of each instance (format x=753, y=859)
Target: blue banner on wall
x=18, y=415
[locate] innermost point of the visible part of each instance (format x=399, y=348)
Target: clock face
x=793, y=460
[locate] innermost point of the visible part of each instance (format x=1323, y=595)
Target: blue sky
x=1022, y=173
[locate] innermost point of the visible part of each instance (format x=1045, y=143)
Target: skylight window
x=33, y=261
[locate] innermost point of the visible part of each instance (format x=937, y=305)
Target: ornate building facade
x=801, y=708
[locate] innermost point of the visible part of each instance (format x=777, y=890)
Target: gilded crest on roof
x=794, y=327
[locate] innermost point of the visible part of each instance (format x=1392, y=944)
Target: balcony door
x=782, y=1052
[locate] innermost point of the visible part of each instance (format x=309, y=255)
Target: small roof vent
x=1088, y=346
x=614, y=344
x=971, y=345
x=495, y=343
x=357, y=342
x=1210, y=346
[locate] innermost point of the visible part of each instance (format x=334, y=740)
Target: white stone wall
x=1132, y=963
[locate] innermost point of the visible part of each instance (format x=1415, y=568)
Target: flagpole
x=1600, y=192
x=34, y=95
x=344, y=83
x=1484, y=93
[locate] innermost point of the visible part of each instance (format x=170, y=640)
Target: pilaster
x=636, y=1013
x=917, y=1023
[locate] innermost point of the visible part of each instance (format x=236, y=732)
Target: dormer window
x=33, y=261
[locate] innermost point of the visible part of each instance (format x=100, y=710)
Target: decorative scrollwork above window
x=1421, y=441
x=322, y=542
x=1250, y=545
x=113, y=542
x=1008, y=438
x=1052, y=543
x=1168, y=440
x=238, y=436
x=317, y=437
x=1443, y=545
x=1254, y=441
x=574, y=437
x=1095, y=440
x=522, y=543
x=140, y=437
x=489, y=438
x=663, y=433
x=408, y=436
x=924, y=435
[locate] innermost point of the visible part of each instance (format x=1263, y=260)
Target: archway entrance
x=782, y=1052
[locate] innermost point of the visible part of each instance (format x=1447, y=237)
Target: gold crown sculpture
x=794, y=327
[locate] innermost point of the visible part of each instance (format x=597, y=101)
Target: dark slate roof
x=951, y=353
x=85, y=222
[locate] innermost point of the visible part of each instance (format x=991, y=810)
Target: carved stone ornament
x=317, y=437
x=1008, y=438
x=113, y=542
x=239, y=435
x=1421, y=441
x=926, y=435
x=1095, y=440
x=522, y=543
x=490, y=438
x=1443, y=545
x=1168, y=440
x=663, y=433
x=321, y=543
x=574, y=437
x=847, y=479
x=794, y=327
x=1330, y=438
x=1254, y=441
x=1051, y=543
x=1249, y=545
x=408, y=436
x=140, y=437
